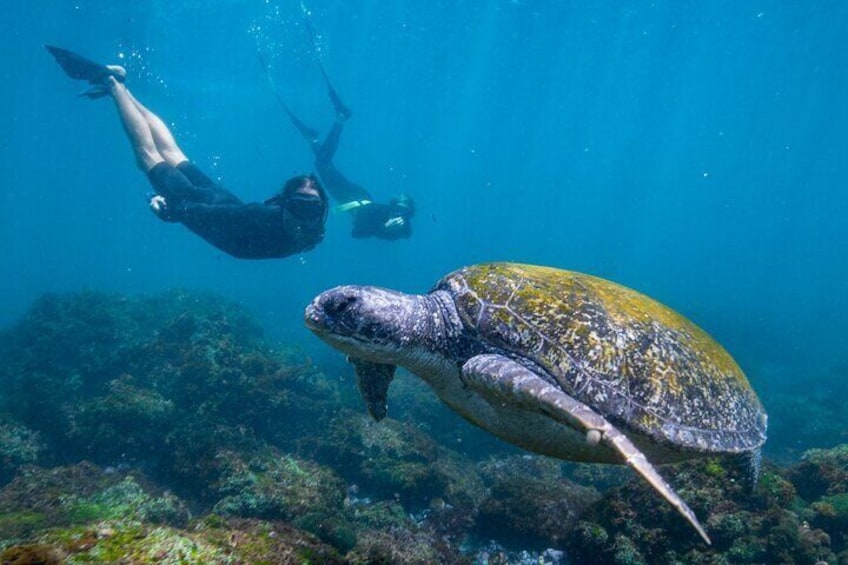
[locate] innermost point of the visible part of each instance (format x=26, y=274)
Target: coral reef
x=19, y=446
x=396, y=546
x=166, y=382
x=530, y=502
x=81, y=514
x=41, y=498
x=121, y=541
x=772, y=524
x=393, y=459
x=821, y=478
x=275, y=486
x=165, y=430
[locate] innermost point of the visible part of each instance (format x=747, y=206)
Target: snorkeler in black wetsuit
x=289, y=222
x=370, y=219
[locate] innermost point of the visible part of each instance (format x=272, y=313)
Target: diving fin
x=342, y=111
x=79, y=68
x=307, y=132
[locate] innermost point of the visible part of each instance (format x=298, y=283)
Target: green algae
x=128, y=541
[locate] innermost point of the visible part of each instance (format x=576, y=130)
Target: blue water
x=695, y=151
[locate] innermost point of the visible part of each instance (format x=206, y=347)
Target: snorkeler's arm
x=217, y=214
x=381, y=221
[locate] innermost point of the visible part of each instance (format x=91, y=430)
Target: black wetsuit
x=243, y=230
x=370, y=221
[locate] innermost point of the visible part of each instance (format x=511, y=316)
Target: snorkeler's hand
x=394, y=223
x=159, y=206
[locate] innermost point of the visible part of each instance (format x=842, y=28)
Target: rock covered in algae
x=19, y=446
x=163, y=381
x=276, y=486
x=223, y=543
x=393, y=459
x=529, y=501
x=82, y=514
x=821, y=478
x=403, y=547
x=769, y=525
x=43, y=498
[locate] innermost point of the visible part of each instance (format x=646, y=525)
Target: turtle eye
x=338, y=305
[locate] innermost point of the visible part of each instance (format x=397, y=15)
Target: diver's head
x=404, y=204
x=303, y=198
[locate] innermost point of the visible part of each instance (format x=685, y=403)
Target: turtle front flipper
x=499, y=379
x=373, y=380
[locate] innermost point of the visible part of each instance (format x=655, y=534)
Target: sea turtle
x=556, y=362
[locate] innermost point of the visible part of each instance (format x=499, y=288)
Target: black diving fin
x=79, y=68
x=342, y=111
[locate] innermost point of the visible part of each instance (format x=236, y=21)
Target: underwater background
x=693, y=151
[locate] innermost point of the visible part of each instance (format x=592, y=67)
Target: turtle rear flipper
x=749, y=465
x=497, y=379
x=373, y=380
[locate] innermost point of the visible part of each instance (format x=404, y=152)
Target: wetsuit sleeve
x=192, y=212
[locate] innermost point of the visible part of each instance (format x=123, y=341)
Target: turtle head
x=379, y=329
x=367, y=322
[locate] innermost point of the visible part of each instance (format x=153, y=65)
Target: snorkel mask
x=304, y=199
x=306, y=207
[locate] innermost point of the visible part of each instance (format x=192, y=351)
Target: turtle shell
x=635, y=361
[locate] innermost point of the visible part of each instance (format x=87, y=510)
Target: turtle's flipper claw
x=639, y=463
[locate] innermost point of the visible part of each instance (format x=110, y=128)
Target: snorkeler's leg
x=327, y=150
x=136, y=127
x=339, y=186
x=164, y=140
x=199, y=188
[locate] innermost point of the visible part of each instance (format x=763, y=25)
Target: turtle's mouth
x=313, y=319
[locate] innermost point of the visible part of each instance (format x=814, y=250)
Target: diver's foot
x=343, y=113
x=117, y=71
x=309, y=134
